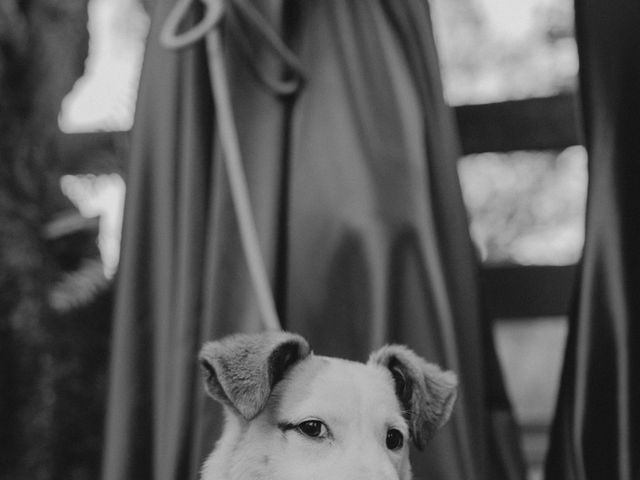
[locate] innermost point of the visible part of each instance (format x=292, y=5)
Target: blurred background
x=502, y=61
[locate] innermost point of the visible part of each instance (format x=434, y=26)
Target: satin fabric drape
x=354, y=188
x=596, y=432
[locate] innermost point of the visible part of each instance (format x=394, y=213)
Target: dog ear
x=426, y=392
x=241, y=370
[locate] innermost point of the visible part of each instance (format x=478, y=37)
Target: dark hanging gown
x=360, y=217
x=596, y=431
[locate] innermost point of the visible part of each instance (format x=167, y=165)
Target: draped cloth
x=359, y=215
x=596, y=431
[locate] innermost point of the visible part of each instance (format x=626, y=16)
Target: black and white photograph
x=319, y=240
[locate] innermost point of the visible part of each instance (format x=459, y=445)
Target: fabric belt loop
x=208, y=28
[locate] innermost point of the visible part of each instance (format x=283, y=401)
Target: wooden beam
x=93, y=152
x=549, y=123
x=516, y=291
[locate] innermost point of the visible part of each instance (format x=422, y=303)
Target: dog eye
x=313, y=429
x=395, y=440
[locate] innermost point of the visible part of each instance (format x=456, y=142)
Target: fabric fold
x=596, y=430
x=359, y=215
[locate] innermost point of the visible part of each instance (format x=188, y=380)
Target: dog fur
x=290, y=414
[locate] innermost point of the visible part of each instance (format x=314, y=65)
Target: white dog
x=292, y=415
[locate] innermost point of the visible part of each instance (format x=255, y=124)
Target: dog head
x=292, y=414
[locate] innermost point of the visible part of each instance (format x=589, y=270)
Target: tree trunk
x=43, y=44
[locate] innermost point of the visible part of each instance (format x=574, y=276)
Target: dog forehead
x=318, y=381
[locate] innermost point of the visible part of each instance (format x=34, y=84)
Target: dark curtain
x=596, y=432
x=354, y=187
